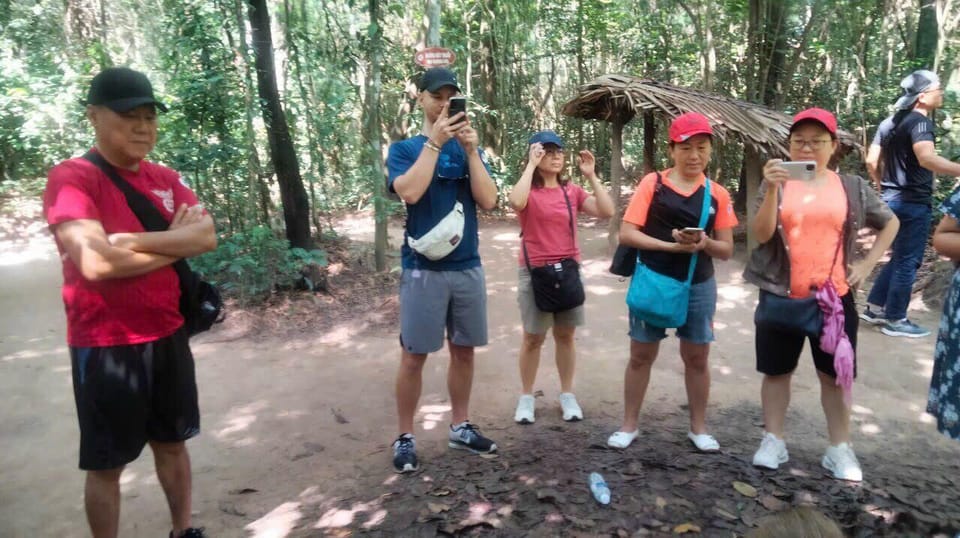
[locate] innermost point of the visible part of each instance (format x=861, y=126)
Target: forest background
x=281, y=111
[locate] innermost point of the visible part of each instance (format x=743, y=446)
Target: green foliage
x=253, y=264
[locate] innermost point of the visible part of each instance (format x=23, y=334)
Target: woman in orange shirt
x=663, y=206
x=807, y=230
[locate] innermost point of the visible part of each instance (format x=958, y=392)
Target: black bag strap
x=523, y=244
x=147, y=213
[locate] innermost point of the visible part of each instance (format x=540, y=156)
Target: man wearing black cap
x=441, y=176
x=133, y=373
x=902, y=161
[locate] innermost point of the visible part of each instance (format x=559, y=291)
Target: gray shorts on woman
x=536, y=321
x=432, y=302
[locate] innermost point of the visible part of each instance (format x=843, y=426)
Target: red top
x=120, y=311
x=545, y=223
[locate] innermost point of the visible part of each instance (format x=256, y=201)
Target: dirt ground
x=297, y=425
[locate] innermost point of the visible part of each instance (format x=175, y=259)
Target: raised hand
x=536, y=154
x=774, y=173
x=587, y=163
x=446, y=127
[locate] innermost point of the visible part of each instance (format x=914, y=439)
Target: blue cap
x=546, y=137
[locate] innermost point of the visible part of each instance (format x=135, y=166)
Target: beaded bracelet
x=432, y=145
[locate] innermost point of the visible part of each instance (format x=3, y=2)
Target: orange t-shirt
x=813, y=219
x=638, y=209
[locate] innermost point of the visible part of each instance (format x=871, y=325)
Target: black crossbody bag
x=556, y=286
x=200, y=302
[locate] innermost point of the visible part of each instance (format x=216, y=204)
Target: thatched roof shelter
x=618, y=98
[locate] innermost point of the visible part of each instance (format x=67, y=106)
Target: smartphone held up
x=802, y=170
x=457, y=104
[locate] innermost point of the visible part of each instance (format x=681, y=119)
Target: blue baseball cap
x=546, y=137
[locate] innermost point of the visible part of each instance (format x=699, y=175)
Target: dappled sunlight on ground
x=237, y=421
x=276, y=524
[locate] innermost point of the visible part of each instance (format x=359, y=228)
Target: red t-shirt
x=120, y=311
x=545, y=223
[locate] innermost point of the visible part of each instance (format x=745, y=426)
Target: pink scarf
x=833, y=338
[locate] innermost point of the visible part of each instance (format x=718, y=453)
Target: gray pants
x=432, y=302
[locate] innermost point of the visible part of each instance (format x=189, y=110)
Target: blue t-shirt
x=451, y=182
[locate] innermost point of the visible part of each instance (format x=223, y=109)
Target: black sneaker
x=466, y=436
x=405, y=454
x=191, y=533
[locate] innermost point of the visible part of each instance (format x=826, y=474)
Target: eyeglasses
x=815, y=145
x=553, y=151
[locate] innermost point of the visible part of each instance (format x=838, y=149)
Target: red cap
x=686, y=125
x=824, y=117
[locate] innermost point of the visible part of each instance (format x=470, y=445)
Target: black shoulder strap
x=148, y=215
x=573, y=234
x=142, y=207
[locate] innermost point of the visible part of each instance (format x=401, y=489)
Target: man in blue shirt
x=436, y=173
x=902, y=161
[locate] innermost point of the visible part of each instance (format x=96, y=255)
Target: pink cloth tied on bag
x=833, y=337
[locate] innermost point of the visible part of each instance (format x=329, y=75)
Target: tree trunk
x=372, y=133
x=927, y=33
x=296, y=208
x=492, y=132
x=433, y=23
x=616, y=179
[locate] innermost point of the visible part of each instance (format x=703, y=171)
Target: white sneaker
x=571, y=409
x=842, y=463
x=622, y=439
x=704, y=442
x=772, y=452
x=525, y=405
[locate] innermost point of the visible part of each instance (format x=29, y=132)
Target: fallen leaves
x=745, y=489
x=684, y=528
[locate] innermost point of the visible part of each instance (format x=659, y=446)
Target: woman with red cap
x=804, y=265
x=679, y=221
x=547, y=205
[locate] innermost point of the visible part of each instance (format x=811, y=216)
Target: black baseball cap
x=435, y=78
x=121, y=89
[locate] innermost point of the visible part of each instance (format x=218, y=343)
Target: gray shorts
x=434, y=301
x=534, y=320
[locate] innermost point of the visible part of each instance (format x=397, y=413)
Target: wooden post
x=649, y=142
x=616, y=177
x=753, y=177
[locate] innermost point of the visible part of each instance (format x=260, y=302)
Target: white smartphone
x=803, y=170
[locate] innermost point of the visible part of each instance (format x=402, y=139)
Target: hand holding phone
x=457, y=104
x=690, y=235
x=802, y=170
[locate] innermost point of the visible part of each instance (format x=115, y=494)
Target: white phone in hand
x=803, y=170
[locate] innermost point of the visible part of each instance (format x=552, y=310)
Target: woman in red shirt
x=547, y=205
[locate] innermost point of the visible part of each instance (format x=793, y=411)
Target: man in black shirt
x=902, y=161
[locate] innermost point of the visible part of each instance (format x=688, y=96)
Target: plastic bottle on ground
x=598, y=486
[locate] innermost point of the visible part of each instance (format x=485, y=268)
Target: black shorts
x=127, y=395
x=778, y=352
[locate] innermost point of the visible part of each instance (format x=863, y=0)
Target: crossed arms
x=100, y=256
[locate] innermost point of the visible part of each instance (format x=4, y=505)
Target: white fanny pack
x=443, y=238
